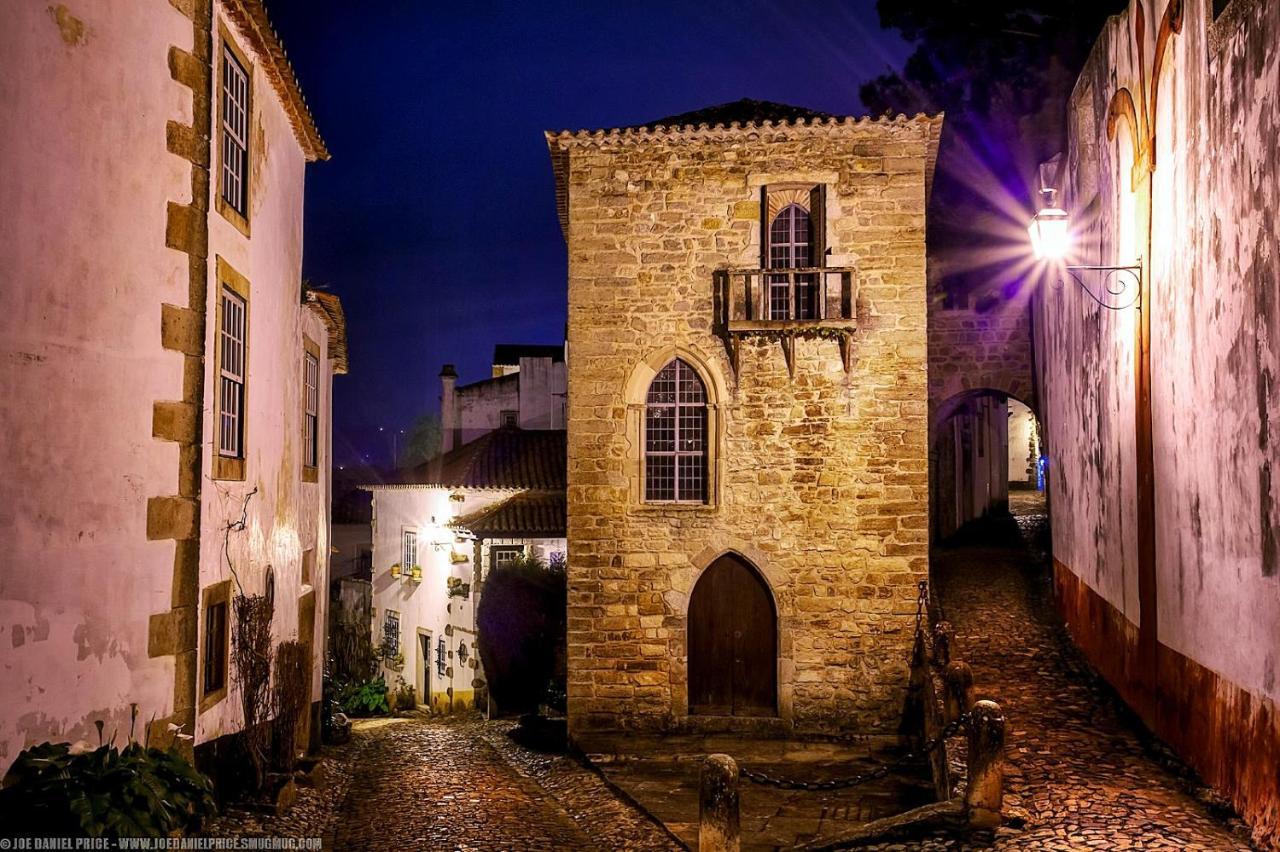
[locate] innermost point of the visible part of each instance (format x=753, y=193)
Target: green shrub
x=108, y=792
x=364, y=699
x=406, y=696
x=521, y=625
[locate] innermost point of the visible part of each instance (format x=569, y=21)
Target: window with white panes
x=409, y=550
x=675, y=436
x=311, y=409
x=235, y=132
x=231, y=372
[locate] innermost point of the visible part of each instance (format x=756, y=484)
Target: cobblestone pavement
x=433, y=784
x=1080, y=774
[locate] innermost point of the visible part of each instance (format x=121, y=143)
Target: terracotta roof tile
x=505, y=458
x=329, y=307
x=526, y=515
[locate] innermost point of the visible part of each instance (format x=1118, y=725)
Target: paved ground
x=666, y=785
x=1080, y=773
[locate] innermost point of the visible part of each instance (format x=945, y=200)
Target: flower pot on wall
x=416, y=573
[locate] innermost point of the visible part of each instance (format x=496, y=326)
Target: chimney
x=448, y=407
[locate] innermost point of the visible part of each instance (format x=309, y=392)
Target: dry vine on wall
x=251, y=652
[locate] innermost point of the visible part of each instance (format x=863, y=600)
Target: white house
x=164, y=376
x=528, y=388
x=437, y=530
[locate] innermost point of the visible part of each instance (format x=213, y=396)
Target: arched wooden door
x=733, y=643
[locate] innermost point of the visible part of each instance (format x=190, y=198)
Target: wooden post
x=718, y=805
x=985, y=791
x=958, y=679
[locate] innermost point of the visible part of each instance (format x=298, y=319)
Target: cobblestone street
x=1079, y=773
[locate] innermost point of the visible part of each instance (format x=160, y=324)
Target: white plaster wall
x=426, y=605
x=480, y=406
x=286, y=516
x=542, y=393
x=1216, y=346
x=84, y=180
x=1215, y=325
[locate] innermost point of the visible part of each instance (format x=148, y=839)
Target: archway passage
x=986, y=460
x=733, y=642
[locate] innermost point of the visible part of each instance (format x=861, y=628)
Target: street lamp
x=1050, y=232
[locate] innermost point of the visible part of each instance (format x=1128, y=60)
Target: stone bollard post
x=958, y=679
x=942, y=633
x=985, y=792
x=718, y=805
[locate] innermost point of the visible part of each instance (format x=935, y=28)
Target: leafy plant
x=406, y=696
x=108, y=792
x=521, y=620
x=368, y=698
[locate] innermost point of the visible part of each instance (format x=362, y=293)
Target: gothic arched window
x=791, y=247
x=675, y=436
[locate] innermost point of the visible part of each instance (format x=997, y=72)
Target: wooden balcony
x=786, y=304
x=781, y=300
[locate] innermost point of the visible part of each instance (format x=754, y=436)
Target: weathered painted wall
x=970, y=463
x=287, y=516
x=109, y=255
x=1199, y=208
x=821, y=479
x=84, y=100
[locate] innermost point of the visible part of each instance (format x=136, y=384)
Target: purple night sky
x=435, y=220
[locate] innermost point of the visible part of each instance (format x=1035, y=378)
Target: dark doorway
x=733, y=643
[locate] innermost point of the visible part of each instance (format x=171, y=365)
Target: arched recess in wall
x=1165, y=164
x=636, y=394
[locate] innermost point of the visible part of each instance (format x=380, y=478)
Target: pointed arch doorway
x=733, y=642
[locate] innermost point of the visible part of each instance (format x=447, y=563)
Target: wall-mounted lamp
x=1050, y=232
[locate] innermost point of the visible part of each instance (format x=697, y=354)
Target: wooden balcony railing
x=782, y=300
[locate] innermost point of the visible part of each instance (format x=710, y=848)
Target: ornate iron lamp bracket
x=1120, y=287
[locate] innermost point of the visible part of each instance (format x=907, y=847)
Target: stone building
x=527, y=389
x=438, y=528
x=1162, y=426
x=748, y=468
x=165, y=378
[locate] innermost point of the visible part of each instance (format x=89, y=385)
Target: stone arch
x=1012, y=390
x=635, y=394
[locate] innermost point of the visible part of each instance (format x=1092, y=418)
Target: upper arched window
x=675, y=436
x=791, y=247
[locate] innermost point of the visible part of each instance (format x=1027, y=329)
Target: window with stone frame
x=793, y=237
x=233, y=133
x=675, y=436
x=310, y=410
x=215, y=649
x=231, y=374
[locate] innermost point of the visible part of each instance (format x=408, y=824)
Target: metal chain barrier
x=874, y=775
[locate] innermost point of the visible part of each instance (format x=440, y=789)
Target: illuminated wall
x=1187, y=182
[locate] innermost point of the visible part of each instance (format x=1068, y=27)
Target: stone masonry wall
x=972, y=349
x=820, y=480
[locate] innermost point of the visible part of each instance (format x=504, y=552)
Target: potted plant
x=416, y=573
x=395, y=570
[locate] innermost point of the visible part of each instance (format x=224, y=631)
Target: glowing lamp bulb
x=1050, y=232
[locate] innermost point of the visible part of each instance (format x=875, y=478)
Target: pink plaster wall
x=83, y=272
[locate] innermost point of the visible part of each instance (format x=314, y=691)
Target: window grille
x=462, y=653
x=235, y=132
x=390, y=634
x=311, y=412
x=509, y=418
x=409, y=550
x=676, y=436
x=440, y=658
x=232, y=375
x=215, y=647
x=791, y=247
